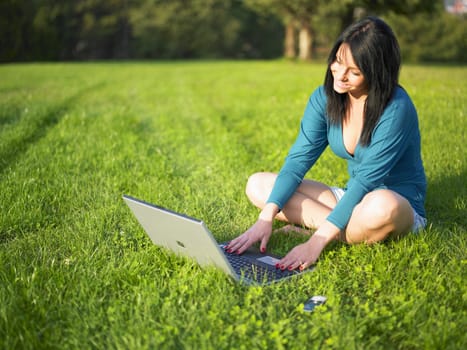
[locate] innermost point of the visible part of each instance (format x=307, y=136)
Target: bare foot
x=292, y=228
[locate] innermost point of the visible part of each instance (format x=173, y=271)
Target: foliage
x=321, y=15
x=78, y=272
x=420, y=40
x=206, y=28
x=38, y=30
x=93, y=29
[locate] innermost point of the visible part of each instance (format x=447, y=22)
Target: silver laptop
x=190, y=237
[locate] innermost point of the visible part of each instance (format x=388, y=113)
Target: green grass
x=78, y=272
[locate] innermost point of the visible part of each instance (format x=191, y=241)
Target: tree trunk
x=289, y=44
x=305, y=40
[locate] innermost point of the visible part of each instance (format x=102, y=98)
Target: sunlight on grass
x=79, y=272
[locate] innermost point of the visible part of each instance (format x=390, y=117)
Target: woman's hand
x=306, y=254
x=260, y=231
x=303, y=255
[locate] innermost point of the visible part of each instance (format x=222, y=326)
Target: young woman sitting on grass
x=369, y=120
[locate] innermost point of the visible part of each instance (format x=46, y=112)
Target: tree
x=171, y=29
x=420, y=40
x=202, y=28
x=296, y=15
x=95, y=29
x=310, y=17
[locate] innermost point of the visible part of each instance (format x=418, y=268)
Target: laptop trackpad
x=270, y=260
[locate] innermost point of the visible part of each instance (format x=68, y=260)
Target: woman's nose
x=341, y=74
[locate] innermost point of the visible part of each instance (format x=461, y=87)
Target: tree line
x=39, y=30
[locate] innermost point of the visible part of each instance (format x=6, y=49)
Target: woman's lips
x=341, y=85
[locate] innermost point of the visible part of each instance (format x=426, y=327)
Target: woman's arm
x=309, y=145
x=391, y=138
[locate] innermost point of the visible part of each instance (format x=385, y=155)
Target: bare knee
x=381, y=214
x=259, y=187
x=379, y=209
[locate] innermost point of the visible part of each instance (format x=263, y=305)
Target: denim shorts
x=419, y=222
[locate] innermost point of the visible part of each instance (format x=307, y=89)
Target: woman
x=369, y=120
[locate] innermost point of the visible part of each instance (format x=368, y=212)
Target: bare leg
x=381, y=214
x=292, y=228
x=309, y=206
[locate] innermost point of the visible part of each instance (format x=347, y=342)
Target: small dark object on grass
x=313, y=302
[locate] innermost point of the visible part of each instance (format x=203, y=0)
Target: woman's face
x=347, y=76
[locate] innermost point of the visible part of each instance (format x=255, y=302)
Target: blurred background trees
x=38, y=30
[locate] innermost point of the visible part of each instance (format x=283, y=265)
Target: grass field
x=77, y=271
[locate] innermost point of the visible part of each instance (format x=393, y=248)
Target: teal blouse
x=392, y=160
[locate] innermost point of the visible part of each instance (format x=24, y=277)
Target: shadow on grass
x=446, y=200
x=445, y=207
x=43, y=123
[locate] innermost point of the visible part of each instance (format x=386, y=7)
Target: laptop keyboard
x=246, y=268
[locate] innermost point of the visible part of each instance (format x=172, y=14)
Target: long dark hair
x=376, y=52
